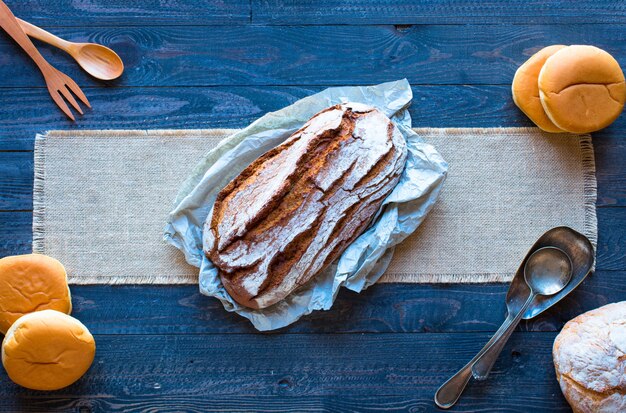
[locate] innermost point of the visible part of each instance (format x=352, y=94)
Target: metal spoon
x=580, y=251
x=97, y=60
x=547, y=259
x=547, y=271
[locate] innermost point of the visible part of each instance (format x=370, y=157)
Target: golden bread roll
x=31, y=282
x=47, y=350
x=590, y=360
x=582, y=89
x=525, y=89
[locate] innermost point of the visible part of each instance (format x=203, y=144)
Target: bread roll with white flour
x=590, y=360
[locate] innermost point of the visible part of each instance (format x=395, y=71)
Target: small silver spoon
x=541, y=274
x=547, y=271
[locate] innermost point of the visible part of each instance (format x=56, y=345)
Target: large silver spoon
x=547, y=271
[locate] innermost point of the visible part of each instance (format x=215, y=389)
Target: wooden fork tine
x=61, y=104
x=68, y=96
x=74, y=88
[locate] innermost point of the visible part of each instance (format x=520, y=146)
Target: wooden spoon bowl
x=97, y=60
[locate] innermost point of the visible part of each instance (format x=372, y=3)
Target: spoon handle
x=449, y=392
x=46, y=37
x=484, y=364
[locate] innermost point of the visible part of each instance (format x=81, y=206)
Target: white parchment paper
x=366, y=259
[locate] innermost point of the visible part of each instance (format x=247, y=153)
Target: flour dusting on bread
x=590, y=360
x=297, y=207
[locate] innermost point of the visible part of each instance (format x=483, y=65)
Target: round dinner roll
x=47, y=350
x=590, y=360
x=582, y=89
x=525, y=88
x=31, y=282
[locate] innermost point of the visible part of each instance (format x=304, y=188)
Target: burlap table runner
x=101, y=199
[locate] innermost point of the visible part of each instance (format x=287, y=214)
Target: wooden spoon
x=97, y=60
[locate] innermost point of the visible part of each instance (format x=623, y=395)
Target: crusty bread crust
x=297, y=207
x=590, y=360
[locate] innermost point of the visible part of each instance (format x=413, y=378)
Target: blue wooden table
x=213, y=63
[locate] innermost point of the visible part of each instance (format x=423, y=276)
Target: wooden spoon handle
x=46, y=37
x=10, y=25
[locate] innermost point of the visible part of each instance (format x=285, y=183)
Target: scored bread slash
x=296, y=208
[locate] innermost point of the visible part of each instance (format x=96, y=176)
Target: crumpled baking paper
x=366, y=259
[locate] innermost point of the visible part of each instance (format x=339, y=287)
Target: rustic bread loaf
x=297, y=207
x=590, y=360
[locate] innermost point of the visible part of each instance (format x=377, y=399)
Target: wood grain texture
x=611, y=253
x=296, y=55
x=202, y=367
x=16, y=233
x=324, y=12
x=276, y=404
x=131, y=12
x=610, y=151
x=30, y=111
x=436, y=12
x=16, y=181
x=177, y=350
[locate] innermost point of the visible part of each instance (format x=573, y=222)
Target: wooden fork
x=59, y=84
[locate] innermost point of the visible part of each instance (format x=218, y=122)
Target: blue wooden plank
x=324, y=12
x=16, y=181
x=135, y=372
x=29, y=111
x=270, y=404
x=15, y=233
x=610, y=152
x=436, y=12
x=131, y=12
x=309, y=55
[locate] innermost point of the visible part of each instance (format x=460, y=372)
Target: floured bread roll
x=296, y=208
x=590, y=360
